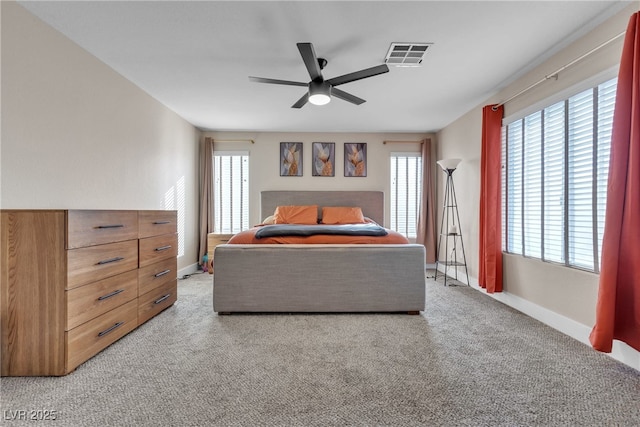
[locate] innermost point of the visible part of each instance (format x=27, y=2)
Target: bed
x=320, y=278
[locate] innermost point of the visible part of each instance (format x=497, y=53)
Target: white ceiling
x=195, y=56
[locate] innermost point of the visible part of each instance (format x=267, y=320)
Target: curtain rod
x=558, y=71
x=399, y=142
x=234, y=140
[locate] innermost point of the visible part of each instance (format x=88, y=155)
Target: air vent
x=406, y=54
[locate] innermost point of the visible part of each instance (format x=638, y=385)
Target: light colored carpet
x=467, y=360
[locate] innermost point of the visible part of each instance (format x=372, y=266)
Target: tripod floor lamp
x=450, y=234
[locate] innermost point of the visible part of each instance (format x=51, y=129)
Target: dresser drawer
x=86, y=265
x=89, y=228
x=90, y=301
x=157, y=300
x=155, y=223
x=89, y=338
x=154, y=249
x=157, y=274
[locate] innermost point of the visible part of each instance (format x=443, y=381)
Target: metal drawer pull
x=106, y=331
x=161, y=222
x=111, y=226
x=110, y=260
x=162, y=273
x=111, y=294
x=162, y=248
x=159, y=300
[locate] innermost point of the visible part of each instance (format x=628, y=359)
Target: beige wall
x=461, y=140
x=75, y=134
x=264, y=162
x=568, y=292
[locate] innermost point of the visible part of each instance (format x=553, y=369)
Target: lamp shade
x=319, y=93
x=449, y=164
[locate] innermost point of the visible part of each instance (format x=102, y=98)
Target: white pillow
x=269, y=220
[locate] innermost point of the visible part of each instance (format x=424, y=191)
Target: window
x=406, y=192
x=231, y=191
x=555, y=168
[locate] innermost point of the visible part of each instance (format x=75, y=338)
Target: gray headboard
x=371, y=202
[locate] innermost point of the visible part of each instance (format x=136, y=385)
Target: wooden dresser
x=75, y=281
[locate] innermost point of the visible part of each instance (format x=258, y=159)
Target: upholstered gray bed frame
x=320, y=278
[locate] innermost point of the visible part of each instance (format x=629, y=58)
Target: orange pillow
x=296, y=215
x=342, y=215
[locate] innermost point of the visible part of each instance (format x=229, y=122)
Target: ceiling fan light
x=319, y=99
x=319, y=93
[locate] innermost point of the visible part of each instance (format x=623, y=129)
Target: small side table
x=213, y=240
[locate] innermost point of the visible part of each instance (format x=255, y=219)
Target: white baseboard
x=188, y=270
x=621, y=352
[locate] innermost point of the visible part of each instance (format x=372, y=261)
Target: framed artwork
x=291, y=159
x=355, y=159
x=324, y=159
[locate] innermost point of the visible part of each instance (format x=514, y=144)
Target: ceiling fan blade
x=277, y=82
x=346, y=96
x=359, y=75
x=300, y=103
x=310, y=60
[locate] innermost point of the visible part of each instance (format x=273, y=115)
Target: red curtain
x=618, y=307
x=490, y=276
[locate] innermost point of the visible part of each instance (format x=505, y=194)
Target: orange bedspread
x=248, y=237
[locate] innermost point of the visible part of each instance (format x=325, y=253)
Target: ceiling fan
x=321, y=90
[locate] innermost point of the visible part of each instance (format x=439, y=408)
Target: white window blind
x=231, y=191
x=503, y=179
x=606, y=104
x=580, y=179
x=532, y=188
x=514, y=187
x=553, y=221
x=556, y=164
x=406, y=192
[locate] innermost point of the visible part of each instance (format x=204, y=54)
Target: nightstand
x=213, y=240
